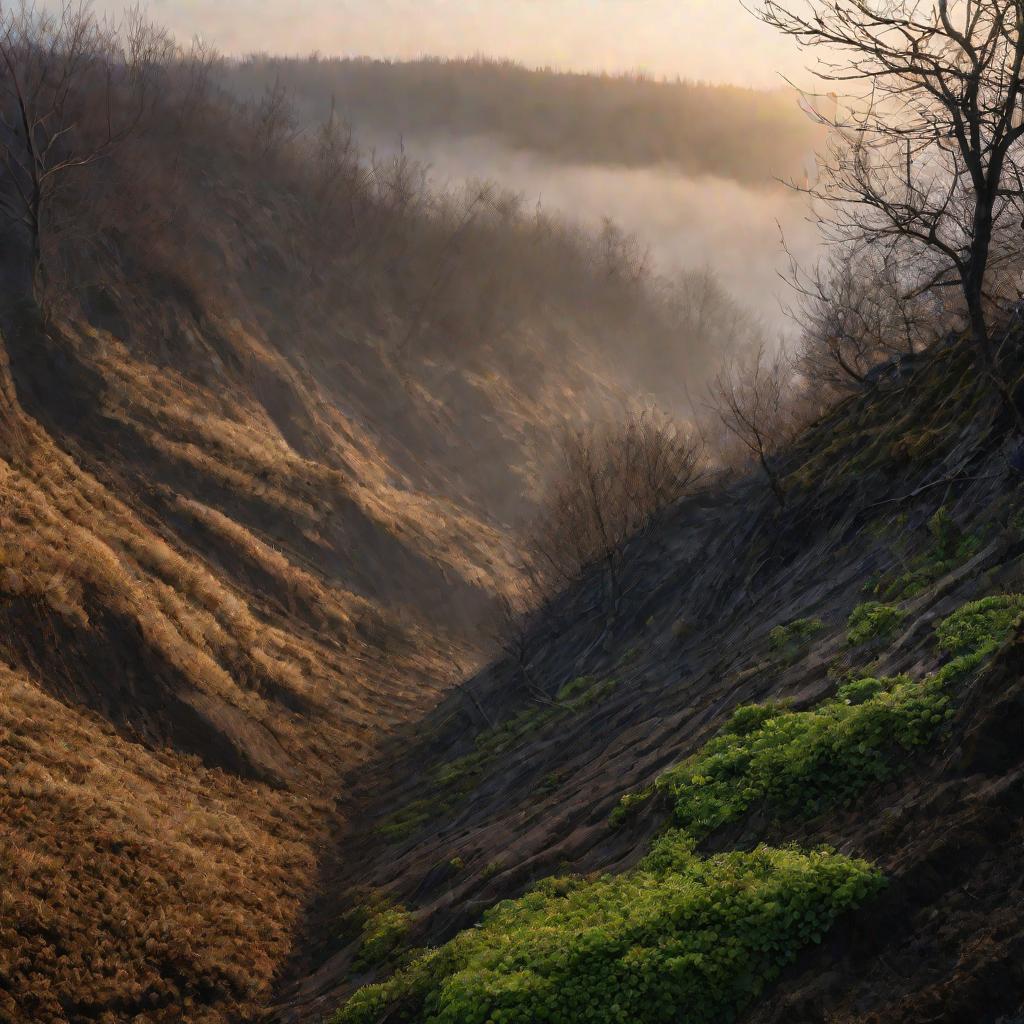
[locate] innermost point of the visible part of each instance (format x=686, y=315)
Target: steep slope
x=181, y=686
x=228, y=571
x=906, y=497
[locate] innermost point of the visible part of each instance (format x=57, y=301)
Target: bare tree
x=336, y=158
x=274, y=124
x=754, y=399
x=511, y=626
x=61, y=109
x=199, y=64
x=854, y=311
x=924, y=160
x=611, y=482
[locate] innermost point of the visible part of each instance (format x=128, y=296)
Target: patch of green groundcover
x=382, y=934
x=873, y=621
x=979, y=627
x=795, y=634
x=950, y=548
x=455, y=779
x=803, y=762
x=681, y=938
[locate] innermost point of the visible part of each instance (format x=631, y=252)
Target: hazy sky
x=705, y=39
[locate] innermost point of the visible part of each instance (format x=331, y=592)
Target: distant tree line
x=621, y=120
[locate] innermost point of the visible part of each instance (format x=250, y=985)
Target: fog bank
x=687, y=223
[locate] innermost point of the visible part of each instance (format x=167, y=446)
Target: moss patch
x=950, y=547
x=873, y=621
x=789, y=639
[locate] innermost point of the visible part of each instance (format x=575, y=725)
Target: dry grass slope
x=136, y=882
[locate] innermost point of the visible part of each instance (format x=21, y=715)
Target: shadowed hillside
x=841, y=672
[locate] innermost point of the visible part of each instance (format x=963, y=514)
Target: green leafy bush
x=981, y=626
x=628, y=806
x=680, y=939
x=794, y=635
x=860, y=690
x=949, y=543
x=873, y=621
x=801, y=762
x=384, y=930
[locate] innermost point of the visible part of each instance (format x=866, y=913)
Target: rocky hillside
x=839, y=675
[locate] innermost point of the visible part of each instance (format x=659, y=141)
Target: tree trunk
x=982, y=342
x=974, y=289
x=39, y=277
x=773, y=480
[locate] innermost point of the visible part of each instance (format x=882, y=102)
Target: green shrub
x=680, y=939
x=794, y=635
x=873, y=621
x=947, y=538
x=981, y=626
x=748, y=718
x=491, y=869
x=860, y=690
x=628, y=806
x=802, y=762
x=384, y=930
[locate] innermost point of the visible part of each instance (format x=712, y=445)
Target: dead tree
x=336, y=160
x=754, y=398
x=273, y=119
x=197, y=66
x=924, y=161
x=611, y=482
x=70, y=93
x=854, y=312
